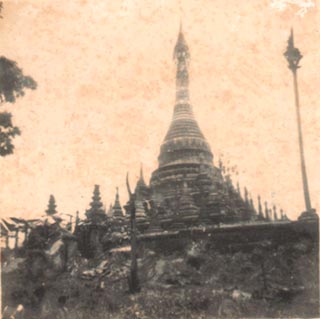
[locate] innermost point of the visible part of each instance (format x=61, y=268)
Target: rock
x=194, y=250
x=88, y=274
x=159, y=268
x=55, y=247
x=12, y=265
x=13, y=312
x=240, y=295
x=103, y=266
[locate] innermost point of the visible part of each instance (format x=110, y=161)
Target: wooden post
x=16, y=243
x=26, y=230
x=7, y=241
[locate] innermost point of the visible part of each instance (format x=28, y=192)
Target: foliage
x=12, y=81
x=205, y=282
x=12, y=85
x=7, y=133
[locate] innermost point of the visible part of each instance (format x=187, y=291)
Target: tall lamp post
x=293, y=57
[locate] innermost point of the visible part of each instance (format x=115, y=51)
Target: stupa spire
x=181, y=55
x=184, y=150
x=266, y=211
x=141, y=173
x=117, y=210
x=275, y=214
x=96, y=212
x=141, y=184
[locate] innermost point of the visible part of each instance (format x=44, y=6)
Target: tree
x=12, y=85
x=7, y=132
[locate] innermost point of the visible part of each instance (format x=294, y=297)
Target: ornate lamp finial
x=292, y=54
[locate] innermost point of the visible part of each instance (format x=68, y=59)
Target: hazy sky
x=106, y=93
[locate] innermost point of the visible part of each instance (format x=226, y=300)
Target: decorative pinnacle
x=292, y=54
x=181, y=49
x=181, y=55
x=141, y=172
x=260, y=206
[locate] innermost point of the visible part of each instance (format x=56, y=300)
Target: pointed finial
x=180, y=26
x=128, y=186
x=281, y=214
x=275, y=214
x=141, y=171
x=77, y=219
x=260, y=206
x=266, y=210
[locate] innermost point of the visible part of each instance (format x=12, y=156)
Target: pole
x=7, y=241
x=16, y=243
x=293, y=57
x=134, y=265
x=302, y=159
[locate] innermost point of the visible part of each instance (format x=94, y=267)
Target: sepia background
x=106, y=88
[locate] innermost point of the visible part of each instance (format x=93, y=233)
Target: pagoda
x=96, y=213
x=184, y=148
x=187, y=189
x=116, y=209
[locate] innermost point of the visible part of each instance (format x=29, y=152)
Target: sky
x=106, y=92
